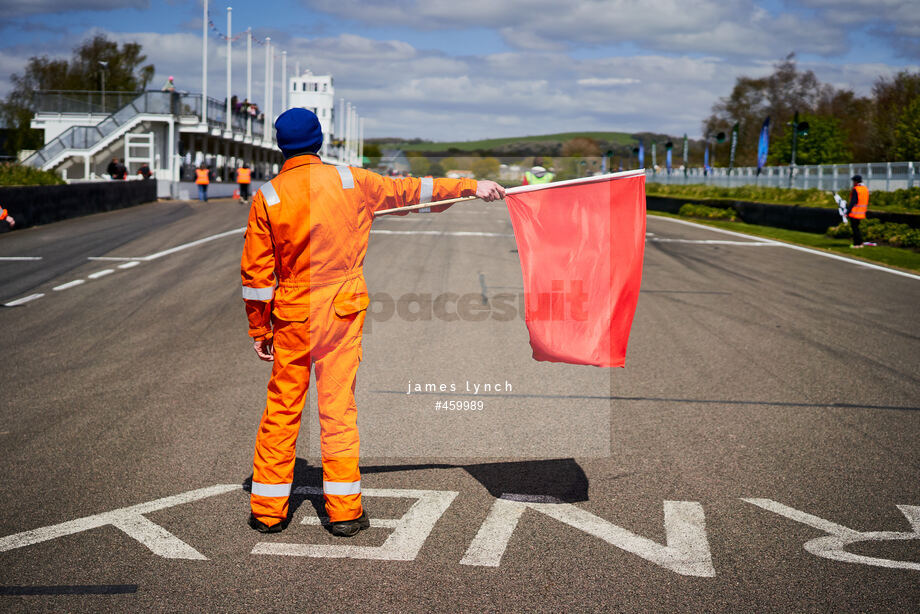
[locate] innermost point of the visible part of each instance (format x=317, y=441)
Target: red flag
x=581, y=245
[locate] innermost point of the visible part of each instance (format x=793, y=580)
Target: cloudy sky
x=459, y=70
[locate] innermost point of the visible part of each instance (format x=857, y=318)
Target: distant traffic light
x=797, y=129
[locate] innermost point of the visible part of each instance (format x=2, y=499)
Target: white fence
x=884, y=176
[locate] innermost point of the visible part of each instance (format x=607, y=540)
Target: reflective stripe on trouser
x=336, y=354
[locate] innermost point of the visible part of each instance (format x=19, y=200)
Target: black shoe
x=261, y=527
x=350, y=528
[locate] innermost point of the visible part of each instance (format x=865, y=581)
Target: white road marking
x=686, y=551
x=795, y=247
x=23, y=300
x=832, y=546
x=179, y=248
x=403, y=544
x=10, y=258
x=130, y=520
x=713, y=242
x=69, y=284
x=128, y=263
x=441, y=233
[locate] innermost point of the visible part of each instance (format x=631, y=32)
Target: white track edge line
x=23, y=300
x=809, y=250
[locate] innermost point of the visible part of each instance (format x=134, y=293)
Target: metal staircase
x=88, y=140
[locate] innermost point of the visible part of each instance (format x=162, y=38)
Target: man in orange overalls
x=202, y=179
x=306, y=297
x=244, y=178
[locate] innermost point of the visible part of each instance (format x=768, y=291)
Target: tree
x=581, y=147
x=907, y=133
x=892, y=100
x=436, y=169
x=372, y=150
x=124, y=72
x=779, y=96
x=457, y=163
x=486, y=168
x=825, y=143
x=855, y=115
x=418, y=163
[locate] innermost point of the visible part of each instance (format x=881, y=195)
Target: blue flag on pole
x=706, y=158
x=641, y=154
x=669, y=160
x=763, y=147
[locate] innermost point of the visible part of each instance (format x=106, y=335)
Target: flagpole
x=424, y=205
x=519, y=189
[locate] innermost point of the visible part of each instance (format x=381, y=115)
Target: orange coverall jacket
x=314, y=234
x=303, y=282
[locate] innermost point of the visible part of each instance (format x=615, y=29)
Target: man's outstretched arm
x=388, y=193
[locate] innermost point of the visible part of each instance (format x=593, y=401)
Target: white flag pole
x=519, y=189
x=425, y=205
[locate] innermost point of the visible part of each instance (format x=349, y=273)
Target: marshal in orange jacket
x=304, y=288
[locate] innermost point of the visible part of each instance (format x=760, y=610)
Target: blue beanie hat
x=299, y=131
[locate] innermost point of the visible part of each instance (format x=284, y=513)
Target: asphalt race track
x=760, y=452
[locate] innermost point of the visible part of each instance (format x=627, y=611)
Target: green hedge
x=707, y=213
x=12, y=173
x=897, y=235
x=899, y=200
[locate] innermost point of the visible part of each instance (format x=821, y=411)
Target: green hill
x=617, y=138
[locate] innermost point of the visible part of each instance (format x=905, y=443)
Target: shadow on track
x=562, y=479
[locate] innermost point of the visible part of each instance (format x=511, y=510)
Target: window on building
x=303, y=86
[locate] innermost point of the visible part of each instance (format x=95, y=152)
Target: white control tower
x=316, y=93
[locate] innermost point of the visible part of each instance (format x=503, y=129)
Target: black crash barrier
x=791, y=217
x=42, y=204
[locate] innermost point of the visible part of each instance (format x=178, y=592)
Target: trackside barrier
x=791, y=217
x=43, y=204
x=883, y=176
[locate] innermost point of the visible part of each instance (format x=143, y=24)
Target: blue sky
x=451, y=71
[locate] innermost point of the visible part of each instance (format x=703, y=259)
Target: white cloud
x=733, y=27
x=897, y=22
x=12, y=9
x=405, y=91
x=606, y=82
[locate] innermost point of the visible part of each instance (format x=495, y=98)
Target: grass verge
x=904, y=259
x=898, y=201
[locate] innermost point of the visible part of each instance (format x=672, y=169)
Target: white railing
x=884, y=176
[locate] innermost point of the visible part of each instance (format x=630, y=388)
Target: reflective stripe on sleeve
x=348, y=181
x=270, y=490
x=341, y=488
x=269, y=194
x=258, y=294
x=427, y=190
